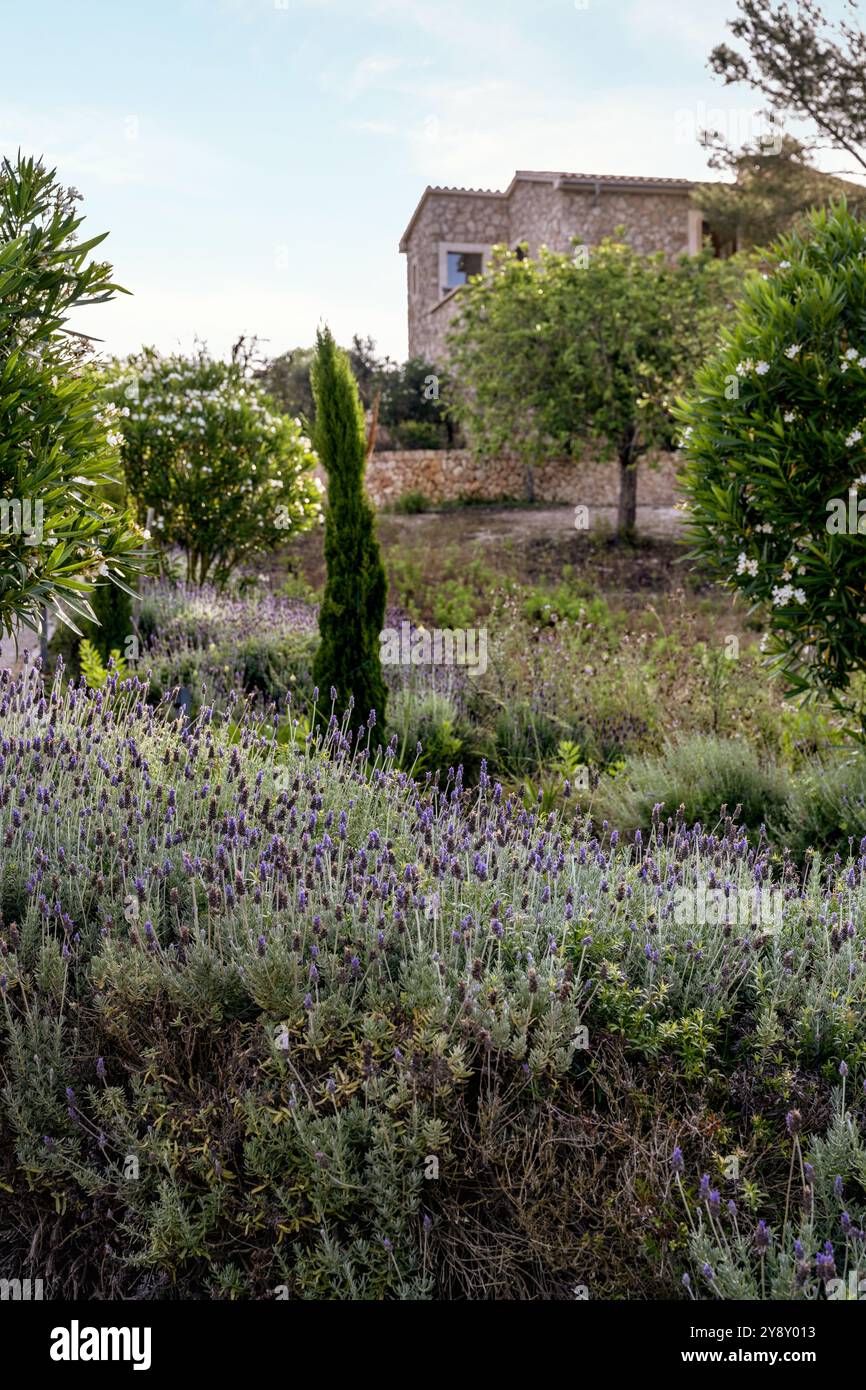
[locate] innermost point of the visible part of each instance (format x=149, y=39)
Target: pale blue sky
x=256, y=161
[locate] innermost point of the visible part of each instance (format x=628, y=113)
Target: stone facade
x=444, y=475
x=542, y=209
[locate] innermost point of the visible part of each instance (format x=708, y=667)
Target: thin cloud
x=101, y=147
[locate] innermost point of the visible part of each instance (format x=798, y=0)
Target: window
x=458, y=262
x=460, y=265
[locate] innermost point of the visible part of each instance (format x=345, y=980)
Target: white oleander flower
x=793, y=350
x=788, y=416
x=762, y=368
x=783, y=593
x=854, y=438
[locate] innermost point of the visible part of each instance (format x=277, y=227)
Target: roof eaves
x=600, y=182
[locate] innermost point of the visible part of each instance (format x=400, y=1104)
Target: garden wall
x=445, y=475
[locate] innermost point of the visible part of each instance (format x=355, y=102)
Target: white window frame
x=460, y=246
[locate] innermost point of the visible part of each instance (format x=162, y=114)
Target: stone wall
x=478, y=218
x=444, y=475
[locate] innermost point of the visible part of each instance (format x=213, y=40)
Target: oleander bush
x=209, y=460
x=278, y=1020
x=59, y=534
x=777, y=456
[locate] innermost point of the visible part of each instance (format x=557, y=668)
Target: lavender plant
x=818, y=1249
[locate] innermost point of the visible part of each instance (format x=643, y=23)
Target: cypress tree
x=353, y=608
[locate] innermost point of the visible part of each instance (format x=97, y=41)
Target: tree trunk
x=627, y=515
x=530, y=483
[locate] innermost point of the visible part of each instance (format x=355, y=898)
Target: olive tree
x=568, y=353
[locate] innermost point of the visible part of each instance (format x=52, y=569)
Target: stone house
x=453, y=229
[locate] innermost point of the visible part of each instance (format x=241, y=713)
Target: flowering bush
x=58, y=534
x=819, y=1247
x=281, y=987
x=226, y=645
x=223, y=646
x=222, y=473
x=777, y=455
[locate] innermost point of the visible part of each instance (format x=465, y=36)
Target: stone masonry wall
x=480, y=218
x=444, y=475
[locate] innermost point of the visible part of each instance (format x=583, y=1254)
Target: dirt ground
x=532, y=544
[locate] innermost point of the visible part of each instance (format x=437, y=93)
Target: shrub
x=112, y=608
x=216, y=643
x=286, y=989
x=420, y=434
x=411, y=504
x=96, y=671
x=826, y=805
x=432, y=734
x=818, y=1240
x=776, y=454
x=702, y=774
x=223, y=474
x=57, y=535
x=353, y=607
